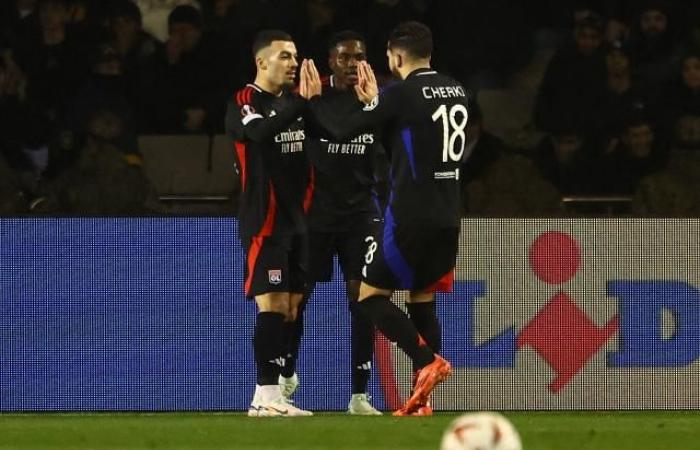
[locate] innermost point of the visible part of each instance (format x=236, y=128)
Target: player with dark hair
x=343, y=214
x=264, y=119
x=425, y=116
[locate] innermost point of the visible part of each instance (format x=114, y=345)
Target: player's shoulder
x=246, y=95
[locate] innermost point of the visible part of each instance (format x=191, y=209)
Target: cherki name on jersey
x=443, y=92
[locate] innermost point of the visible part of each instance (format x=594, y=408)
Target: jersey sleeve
x=384, y=107
x=245, y=121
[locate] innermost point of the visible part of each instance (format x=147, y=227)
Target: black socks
x=424, y=317
x=268, y=343
x=362, y=336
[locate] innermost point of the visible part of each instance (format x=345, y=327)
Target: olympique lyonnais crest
x=275, y=276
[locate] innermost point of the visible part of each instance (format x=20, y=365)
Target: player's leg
x=422, y=311
x=268, y=340
x=312, y=260
x=362, y=350
x=351, y=254
x=294, y=331
x=268, y=280
x=391, y=260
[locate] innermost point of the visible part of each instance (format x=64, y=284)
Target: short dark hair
x=265, y=37
x=342, y=36
x=412, y=37
x=127, y=9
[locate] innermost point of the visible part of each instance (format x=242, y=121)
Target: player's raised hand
x=314, y=84
x=303, y=81
x=366, y=87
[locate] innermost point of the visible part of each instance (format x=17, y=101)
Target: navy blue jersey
x=424, y=119
x=276, y=178
x=343, y=195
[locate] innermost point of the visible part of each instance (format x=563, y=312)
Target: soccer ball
x=482, y=431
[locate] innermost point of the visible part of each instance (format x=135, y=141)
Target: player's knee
x=352, y=290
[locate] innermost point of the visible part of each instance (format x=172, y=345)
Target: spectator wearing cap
x=192, y=77
x=137, y=51
x=574, y=83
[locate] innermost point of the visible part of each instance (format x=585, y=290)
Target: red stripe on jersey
x=309, y=195
x=269, y=223
x=239, y=102
x=257, y=243
x=325, y=81
x=240, y=152
x=253, y=254
x=248, y=95
x=444, y=284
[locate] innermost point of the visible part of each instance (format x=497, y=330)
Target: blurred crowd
x=617, y=107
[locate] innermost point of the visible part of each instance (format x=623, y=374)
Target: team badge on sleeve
x=247, y=110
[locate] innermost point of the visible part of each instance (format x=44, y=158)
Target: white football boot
x=360, y=406
x=269, y=402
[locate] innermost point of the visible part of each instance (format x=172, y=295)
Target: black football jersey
x=276, y=178
x=424, y=119
x=343, y=195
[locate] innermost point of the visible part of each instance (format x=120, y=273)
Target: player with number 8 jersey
x=424, y=119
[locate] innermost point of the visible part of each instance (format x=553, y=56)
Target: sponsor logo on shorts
x=275, y=276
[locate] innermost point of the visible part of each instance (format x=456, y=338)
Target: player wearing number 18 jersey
x=424, y=119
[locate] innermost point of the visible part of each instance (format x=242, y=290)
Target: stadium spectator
x=15, y=17
x=11, y=197
x=511, y=186
x=137, y=50
x=482, y=148
x=639, y=152
x=101, y=110
x=25, y=131
x=482, y=43
x=155, y=15
x=496, y=181
x=673, y=192
x=683, y=104
x=192, y=77
x=653, y=44
x=623, y=91
x=101, y=182
x=565, y=159
x=53, y=59
x=573, y=88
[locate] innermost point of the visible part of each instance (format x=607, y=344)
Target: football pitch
x=539, y=431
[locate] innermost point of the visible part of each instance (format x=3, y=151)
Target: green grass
x=539, y=431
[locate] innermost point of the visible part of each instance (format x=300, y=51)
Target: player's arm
x=378, y=107
x=245, y=123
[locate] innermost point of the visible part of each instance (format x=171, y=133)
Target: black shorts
x=350, y=246
x=276, y=264
x=412, y=258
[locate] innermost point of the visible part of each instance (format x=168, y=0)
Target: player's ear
x=399, y=60
x=260, y=62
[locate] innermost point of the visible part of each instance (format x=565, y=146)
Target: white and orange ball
x=481, y=431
